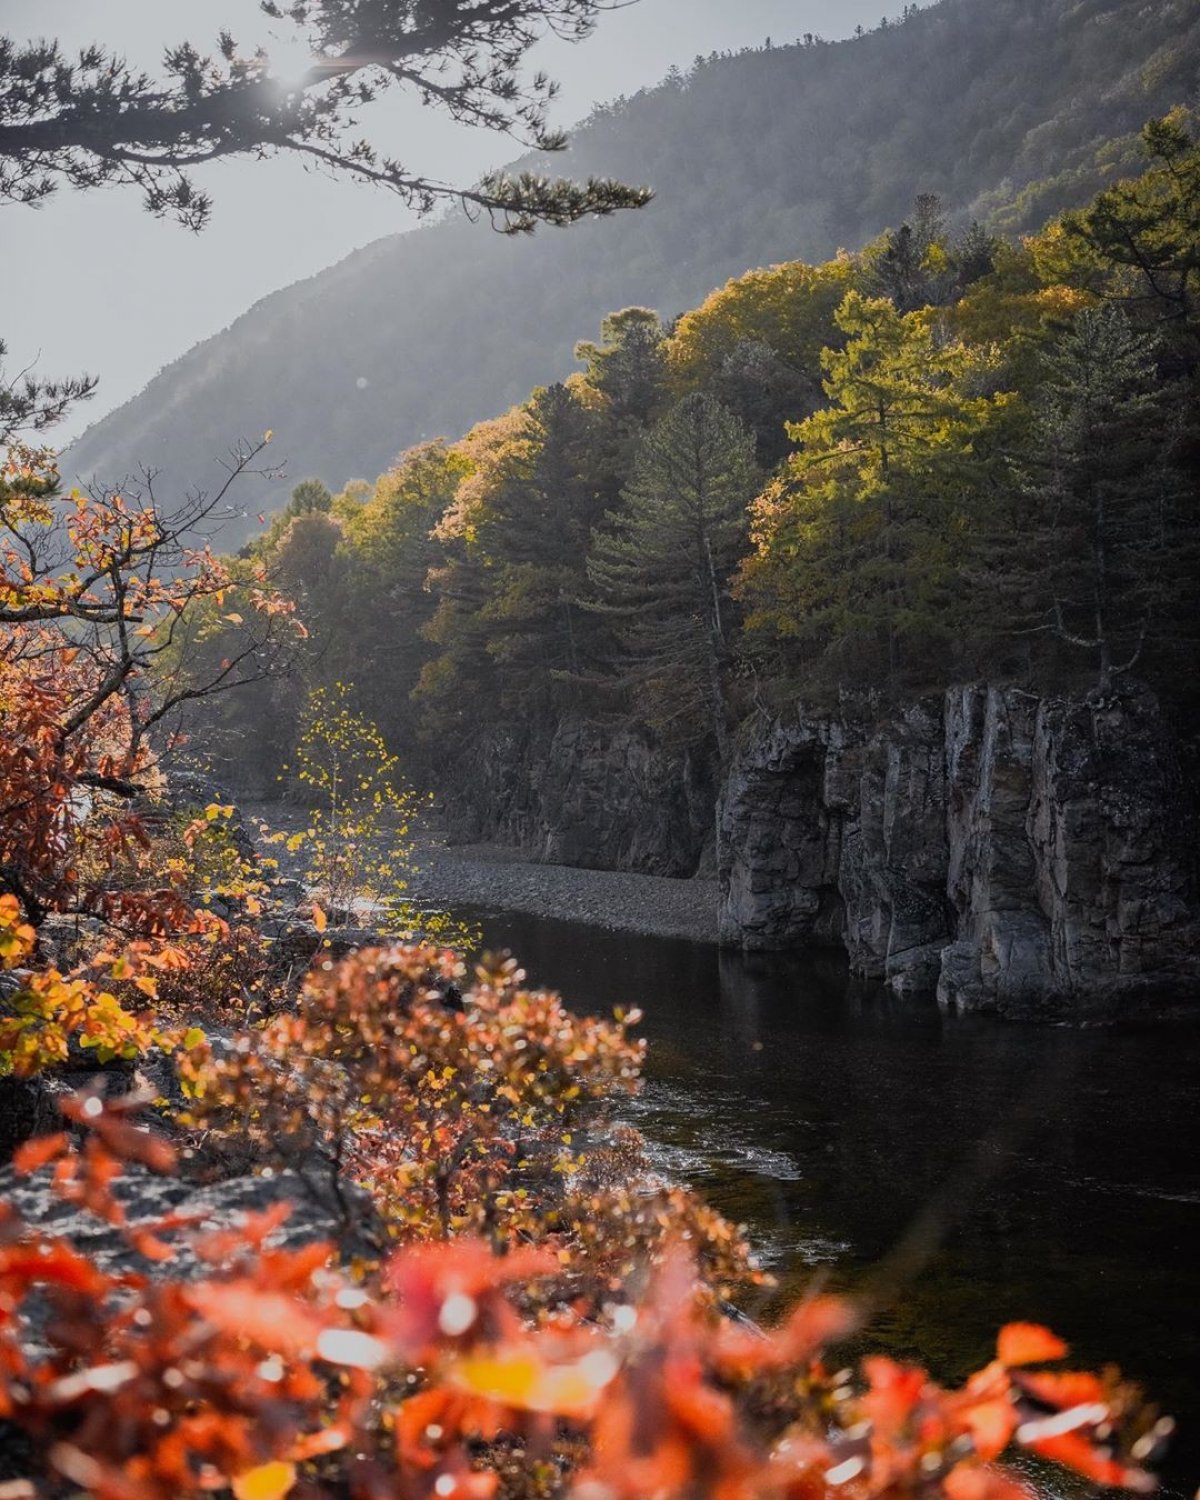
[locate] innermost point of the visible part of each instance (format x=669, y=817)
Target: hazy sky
x=90, y=282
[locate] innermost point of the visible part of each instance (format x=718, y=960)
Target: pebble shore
x=494, y=878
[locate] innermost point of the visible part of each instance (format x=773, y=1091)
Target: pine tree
x=93, y=120
x=1150, y=228
x=661, y=567
x=628, y=366
x=856, y=544
x=1107, y=541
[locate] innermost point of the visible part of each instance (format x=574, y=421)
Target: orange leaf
x=53, y=1263
x=320, y=920
x=265, y=1318
x=895, y=1391
x=1070, y=1388
x=816, y=1322
x=35, y=1154
x=983, y=1482
x=991, y=1424
x=148, y=1244
x=330, y=1440
x=1028, y=1344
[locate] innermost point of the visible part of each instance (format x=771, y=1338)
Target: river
x=997, y=1171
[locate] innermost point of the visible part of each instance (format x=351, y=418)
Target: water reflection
x=996, y=1170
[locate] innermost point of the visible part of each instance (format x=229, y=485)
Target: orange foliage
x=94, y=593
x=535, y=1362
x=274, y=1372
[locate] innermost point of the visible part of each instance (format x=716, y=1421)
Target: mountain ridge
x=760, y=156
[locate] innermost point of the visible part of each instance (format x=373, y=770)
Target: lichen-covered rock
x=1006, y=852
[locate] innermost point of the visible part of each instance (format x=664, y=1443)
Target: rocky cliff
x=600, y=796
x=1027, y=855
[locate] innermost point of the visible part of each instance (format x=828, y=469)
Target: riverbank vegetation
x=487, y=1293
x=290, y=1213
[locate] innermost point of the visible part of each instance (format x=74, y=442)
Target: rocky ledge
x=1031, y=856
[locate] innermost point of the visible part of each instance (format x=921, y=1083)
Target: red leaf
x=36, y=1153
x=53, y=1262
x=264, y=1318
x=815, y=1323
x=1075, y=1452
x=985, y=1482
x=895, y=1391
x=1028, y=1344
x=1070, y=1388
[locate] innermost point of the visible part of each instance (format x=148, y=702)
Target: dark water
x=1038, y=1173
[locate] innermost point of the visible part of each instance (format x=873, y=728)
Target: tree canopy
x=801, y=488
x=733, y=189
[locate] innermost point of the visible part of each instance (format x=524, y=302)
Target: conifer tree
x=661, y=567
x=857, y=543
x=1149, y=226
x=1107, y=542
x=628, y=365
x=93, y=120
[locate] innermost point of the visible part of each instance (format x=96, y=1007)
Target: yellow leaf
x=524, y=1382
x=267, y=1482
x=234, y=619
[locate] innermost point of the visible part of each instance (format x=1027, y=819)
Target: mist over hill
x=1009, y=109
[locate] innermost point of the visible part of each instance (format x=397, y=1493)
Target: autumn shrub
x=96, y=594
x=274, y=1372
x=357, y=850
x=46, y=1013
x=453, y=1103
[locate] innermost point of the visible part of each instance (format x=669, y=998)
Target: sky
x=91, y=282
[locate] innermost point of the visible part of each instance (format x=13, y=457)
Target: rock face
x=598, y=796
x=1002, y=851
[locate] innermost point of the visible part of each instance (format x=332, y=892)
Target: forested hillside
x=949, y=456
x=1008, y=109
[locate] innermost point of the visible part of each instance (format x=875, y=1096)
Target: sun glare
x=290, y=63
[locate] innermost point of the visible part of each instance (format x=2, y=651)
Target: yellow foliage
x=790, y=307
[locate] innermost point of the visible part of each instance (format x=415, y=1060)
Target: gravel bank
x=492, y=877
x=501, y=879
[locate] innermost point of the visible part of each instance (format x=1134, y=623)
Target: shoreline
x=492, y=876
x=500, y=877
